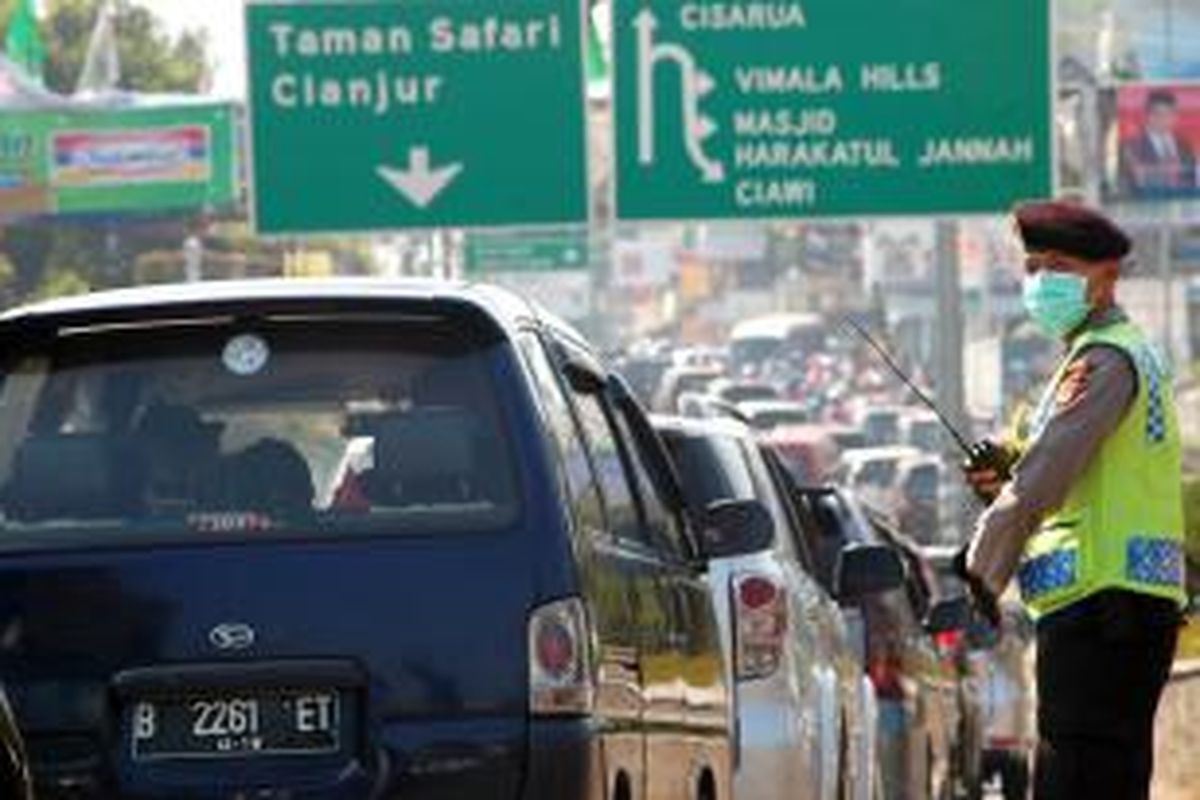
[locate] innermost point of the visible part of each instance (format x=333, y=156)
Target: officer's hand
x=987, y=468
x=985, y=602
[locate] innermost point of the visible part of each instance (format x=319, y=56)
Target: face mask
x=1057, y=301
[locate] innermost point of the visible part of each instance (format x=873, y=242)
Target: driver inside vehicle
x=181, y=456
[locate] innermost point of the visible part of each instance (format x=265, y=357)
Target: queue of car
x=360, y=539
x=952, y=702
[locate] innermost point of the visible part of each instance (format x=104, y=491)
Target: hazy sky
x=1143, y=22
x=223, y=21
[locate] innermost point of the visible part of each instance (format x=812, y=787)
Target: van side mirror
x=949, y=616
x=735, y=528
x=865, y=570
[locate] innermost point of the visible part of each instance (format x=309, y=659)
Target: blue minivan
x=347, y=539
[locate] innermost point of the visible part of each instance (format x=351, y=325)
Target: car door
x=656, y=606
x=814, y=632
x=886, y=631
x=605, y=582
x=936, y=693
x=855, y=710
x=695, y=639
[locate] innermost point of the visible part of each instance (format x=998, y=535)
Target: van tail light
x=760, y=608
x=886, y=673
x=560, y=663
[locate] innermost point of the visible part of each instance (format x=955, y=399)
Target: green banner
x=747, y=109
x=144, y=160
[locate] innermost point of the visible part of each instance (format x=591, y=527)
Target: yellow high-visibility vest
x=1121, y=526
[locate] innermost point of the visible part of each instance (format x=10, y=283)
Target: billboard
x=95, y=161
x=1154, y=138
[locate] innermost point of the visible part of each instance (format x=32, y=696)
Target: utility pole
x=948, y=344
x=949, y=324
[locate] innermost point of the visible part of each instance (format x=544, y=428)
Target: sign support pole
x=948, y=331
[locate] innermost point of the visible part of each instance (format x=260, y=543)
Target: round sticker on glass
x=246, y=354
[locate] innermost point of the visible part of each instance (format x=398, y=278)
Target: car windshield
x=694, y=381
x=922, y=483
x=754, y=350
x=775, y=417
x=215, y=428
x=882, y=427
x=879, y=473
x=747, y=392
x=926, y=435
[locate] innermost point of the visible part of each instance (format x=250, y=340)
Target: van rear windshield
x=221, y=429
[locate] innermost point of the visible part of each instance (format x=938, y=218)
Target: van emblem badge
x=231, y=636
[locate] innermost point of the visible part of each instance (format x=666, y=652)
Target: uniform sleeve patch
x=1074, y=384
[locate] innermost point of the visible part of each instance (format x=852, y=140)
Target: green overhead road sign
x=756, y=109
x=526, y=251
x=373, y=115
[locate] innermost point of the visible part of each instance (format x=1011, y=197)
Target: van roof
x=801, y=432
x=898, y=452
x=503, y=307
x=751, y=407
x=775, y=326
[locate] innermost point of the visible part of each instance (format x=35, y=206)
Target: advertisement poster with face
x=1154, y=138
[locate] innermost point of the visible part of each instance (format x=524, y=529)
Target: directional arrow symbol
x=419, y=183
x=646, y=21
x=705, y=127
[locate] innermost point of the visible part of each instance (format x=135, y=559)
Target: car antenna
x=882, y=352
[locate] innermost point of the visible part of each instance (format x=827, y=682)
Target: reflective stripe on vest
x=1121, y=525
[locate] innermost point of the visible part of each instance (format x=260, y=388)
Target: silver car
x=806, y=714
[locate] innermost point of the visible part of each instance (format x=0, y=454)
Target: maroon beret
x=1072, y=229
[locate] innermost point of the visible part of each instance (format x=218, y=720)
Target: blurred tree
x=61, y=283
x=26, y=247
x=23, y=40
x=51, y=258
x=151, y=60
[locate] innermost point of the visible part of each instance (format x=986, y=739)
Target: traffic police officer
x=1087, y=514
